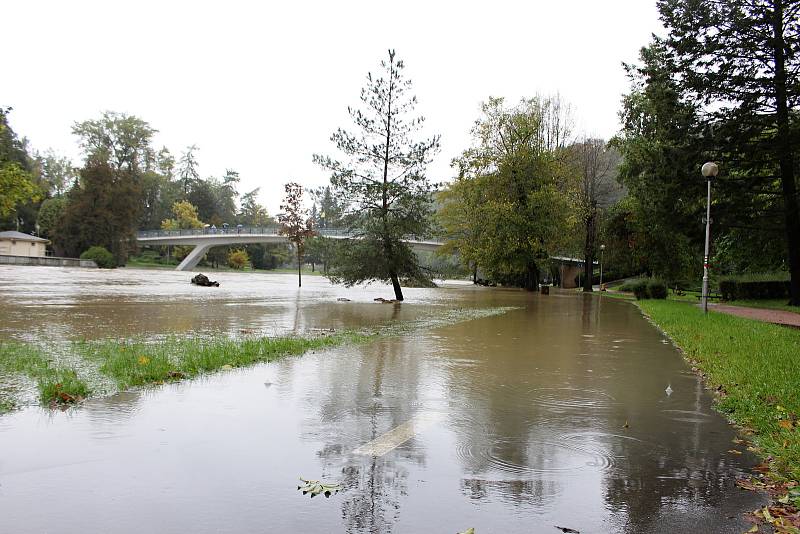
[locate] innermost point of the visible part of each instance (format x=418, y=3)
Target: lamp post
x=709, y=171
x=602, y=249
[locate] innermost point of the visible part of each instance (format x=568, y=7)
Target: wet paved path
x=781, y=317
x=554, y=413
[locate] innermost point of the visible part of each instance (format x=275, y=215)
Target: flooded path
x=554, y=413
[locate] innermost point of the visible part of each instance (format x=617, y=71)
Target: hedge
x=732, y=289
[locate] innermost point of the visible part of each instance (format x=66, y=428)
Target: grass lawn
x=754, y=365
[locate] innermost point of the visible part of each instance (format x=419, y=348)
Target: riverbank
x=753, y=367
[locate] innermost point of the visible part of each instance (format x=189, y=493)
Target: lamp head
x=602, y=247
x=710, y=170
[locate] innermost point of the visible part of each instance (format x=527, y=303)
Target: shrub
x=755, y=286
x=238, y=259
x=102, y=257
x=639, y=288
x=657, y=289
x=628, y=285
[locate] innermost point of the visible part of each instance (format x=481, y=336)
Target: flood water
x=553, y=413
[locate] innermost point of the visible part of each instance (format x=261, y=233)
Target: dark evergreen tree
x=382, y=183
x=739, y=61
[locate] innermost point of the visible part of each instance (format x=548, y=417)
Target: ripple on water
x=686, y=416
x=530, y=459
x=570, y=399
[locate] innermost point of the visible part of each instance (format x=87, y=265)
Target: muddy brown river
x=551, y=414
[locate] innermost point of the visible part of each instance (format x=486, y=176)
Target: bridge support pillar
x=194, y=257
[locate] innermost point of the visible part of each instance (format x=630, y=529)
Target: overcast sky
x=259, y=87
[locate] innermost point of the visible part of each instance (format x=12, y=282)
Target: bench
x=711, y=296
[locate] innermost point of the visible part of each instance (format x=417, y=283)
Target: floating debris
x=315, y=487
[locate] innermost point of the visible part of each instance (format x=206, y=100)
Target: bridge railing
x=232, y=230
x=257, y=230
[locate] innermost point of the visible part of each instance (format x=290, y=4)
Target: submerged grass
x=132, y=363
x=56, y=385
x=754, y=365
x=136, y=363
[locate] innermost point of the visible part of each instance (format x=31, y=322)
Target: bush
x=629, y=285
x=237, y=259
x=639, y=288
x=657, y=289
x=755, y=287
x=102, y=257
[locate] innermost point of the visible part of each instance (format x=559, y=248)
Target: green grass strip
x=137, y=363
x=56, y=385
x=757, y=367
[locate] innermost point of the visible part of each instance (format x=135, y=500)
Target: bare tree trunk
x=786, y=157
x=299, y=267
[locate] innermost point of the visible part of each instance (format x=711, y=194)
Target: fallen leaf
x=733, y=451
x=568, y=530
x=786, y=424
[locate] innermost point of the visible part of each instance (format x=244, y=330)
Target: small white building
x=18, y=244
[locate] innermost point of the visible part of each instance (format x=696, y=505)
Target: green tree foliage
x=593, y=166
x=508, y=210
x=661, y=143
x=251, y=213
x=57, y=173
x=17, y=185
x=295, y=223
x=185, y=217
x=118, y=140
x=268, y=256
x=326, y=211
x=382, y=182
x=100, y=212
x=50, y=215
x=215, y=199
x=187, y=169
x=238, y=259
x=739, y=65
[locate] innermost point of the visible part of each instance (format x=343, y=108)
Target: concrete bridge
x=203, y=239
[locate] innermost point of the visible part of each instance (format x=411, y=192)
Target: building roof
x=19, y=236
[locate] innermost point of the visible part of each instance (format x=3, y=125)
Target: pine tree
x=382, y=182
x=739, y=61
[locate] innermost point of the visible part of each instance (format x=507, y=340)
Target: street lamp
x=709, y=171
x=602, y=249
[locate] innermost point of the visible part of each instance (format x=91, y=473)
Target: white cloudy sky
x=260, y=86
